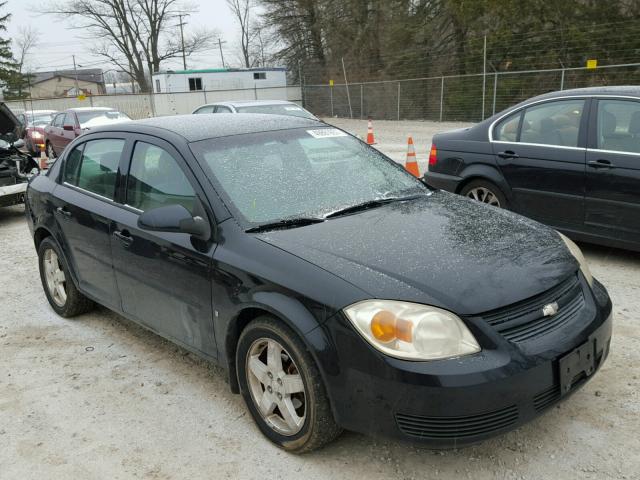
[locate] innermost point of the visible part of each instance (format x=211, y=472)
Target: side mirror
x=69, y=128
x=176, y=219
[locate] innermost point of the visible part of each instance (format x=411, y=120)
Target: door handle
x=600, y=163
x=63, y=211
x=124, y=237
x=508, y=154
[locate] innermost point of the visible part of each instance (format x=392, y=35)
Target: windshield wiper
x=370, y=204
x=286, y=223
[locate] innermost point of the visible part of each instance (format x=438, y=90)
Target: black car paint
x=554, y=185
x=441, y=250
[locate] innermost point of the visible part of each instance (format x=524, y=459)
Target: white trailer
x=175, y=81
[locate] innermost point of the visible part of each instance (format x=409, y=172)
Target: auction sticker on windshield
x=326, y=133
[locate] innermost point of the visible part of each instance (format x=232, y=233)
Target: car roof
x=36, y=112
x=251, y=103
x=201, y=127
x=621, y=90
x=90, y=109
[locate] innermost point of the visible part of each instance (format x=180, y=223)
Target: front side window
x=96, y=169
x=553, y=123
x=619, y=125
x=301, y=172
x=195, y=84
x=57, y=122
x=156, y=180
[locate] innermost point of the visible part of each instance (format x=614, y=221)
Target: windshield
x=282, y=109
x=270, y=176
x=39, y=120
x=100, y=116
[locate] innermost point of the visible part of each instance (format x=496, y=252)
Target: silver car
x=276, y=107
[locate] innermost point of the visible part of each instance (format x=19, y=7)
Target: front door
x=541, y=153
x=69, y=129
x=164, y=278
x=612, y=201
x=83, y=208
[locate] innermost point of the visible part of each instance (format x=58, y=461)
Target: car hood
x=441, y=249
x=8, y=121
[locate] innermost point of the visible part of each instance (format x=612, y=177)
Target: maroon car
x=71, y=123
x=34, y=122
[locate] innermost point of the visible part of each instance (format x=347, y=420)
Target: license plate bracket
x=574, y=364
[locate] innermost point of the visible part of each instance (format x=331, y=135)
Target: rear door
x=541, y=151
x=84, y=204
x=164, y=278
x=612, y=199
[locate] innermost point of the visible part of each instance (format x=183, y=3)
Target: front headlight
x=577, y=253
x=412, y=331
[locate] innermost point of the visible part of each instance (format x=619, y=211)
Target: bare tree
x=134, y=35
x=241, y=9
x=24, y=42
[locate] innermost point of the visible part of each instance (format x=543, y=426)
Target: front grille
x=525, y=320
x=451, y=428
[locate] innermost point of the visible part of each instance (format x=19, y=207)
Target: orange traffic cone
x=370, y=139
x=412, y=164
x=43, y=159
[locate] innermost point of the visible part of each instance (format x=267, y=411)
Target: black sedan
x=336, y=289
x=570, y=159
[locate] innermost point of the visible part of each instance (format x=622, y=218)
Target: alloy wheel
x=276, y=386
x=484, y=195
x=55, y=278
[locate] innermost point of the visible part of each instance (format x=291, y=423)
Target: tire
x=316, y=425
x=73, y=302
x=485, y=192
x=51, y=153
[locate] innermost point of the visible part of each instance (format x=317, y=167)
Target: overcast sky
x=58, y=41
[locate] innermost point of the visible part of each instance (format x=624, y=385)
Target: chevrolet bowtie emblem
x=550, y=310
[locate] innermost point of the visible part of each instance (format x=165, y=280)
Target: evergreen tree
x=11, y=82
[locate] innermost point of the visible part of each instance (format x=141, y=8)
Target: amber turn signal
x=386, y=327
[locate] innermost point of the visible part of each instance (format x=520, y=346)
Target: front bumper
x=455, y=402
x=12, y=194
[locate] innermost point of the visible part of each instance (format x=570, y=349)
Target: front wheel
x=282, y=387
x=485, y=192
x=51, y=153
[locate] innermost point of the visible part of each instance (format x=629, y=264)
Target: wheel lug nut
x=269, y=389
x=279, y=381
x=279, y=396
x=269, y=374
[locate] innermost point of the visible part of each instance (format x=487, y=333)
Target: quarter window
x=553, y=123
x=195, y=84
x=156, y=180
x=619, y=125
x=96, y=169
x=507, y=129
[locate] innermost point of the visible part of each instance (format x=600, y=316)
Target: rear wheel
x=485, y=192
x=58, y=286
x=282, y=387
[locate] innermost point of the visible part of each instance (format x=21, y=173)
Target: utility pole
x=484, y=74
x=75, y=72
x=182, y=24
x=220, y=42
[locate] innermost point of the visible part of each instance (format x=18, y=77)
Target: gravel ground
x=99, y=397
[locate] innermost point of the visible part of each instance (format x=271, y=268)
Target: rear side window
x=205, y=109
x=222, y=109
x=619, y=125
x=553, y=123
x=156, y=180
x=96, y=168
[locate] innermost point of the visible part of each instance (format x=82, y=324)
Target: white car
x=275, y=107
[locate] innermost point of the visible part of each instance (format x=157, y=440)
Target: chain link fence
x=455, y=97
x=158, y=104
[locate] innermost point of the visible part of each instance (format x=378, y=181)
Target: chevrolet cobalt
x=335, y=289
